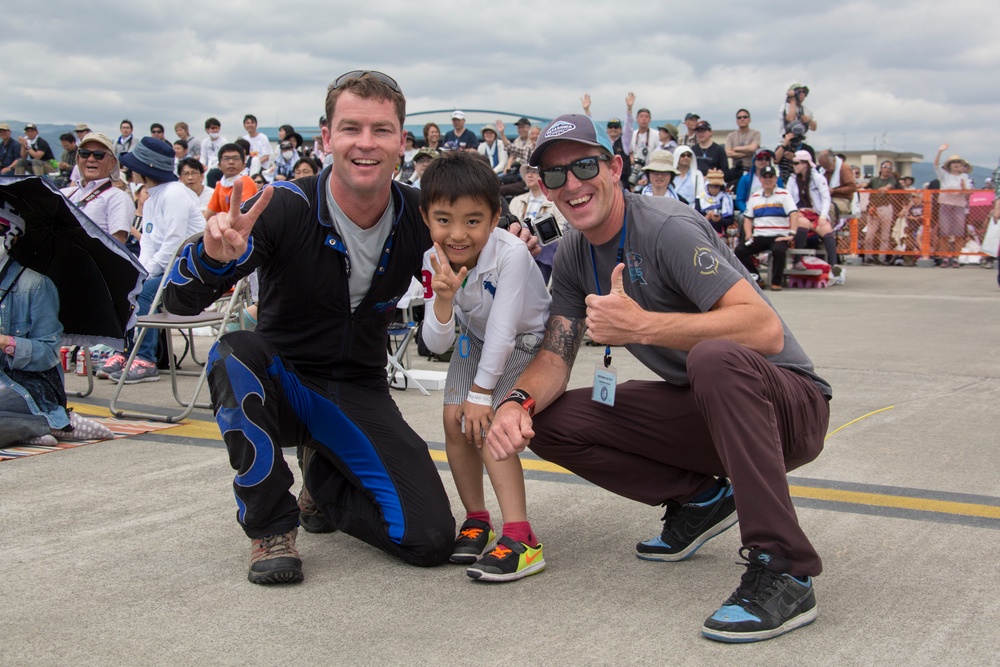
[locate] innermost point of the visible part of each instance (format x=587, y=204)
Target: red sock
x=521, y=532
x=480, y=516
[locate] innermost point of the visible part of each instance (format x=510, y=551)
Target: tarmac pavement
x=128, y=552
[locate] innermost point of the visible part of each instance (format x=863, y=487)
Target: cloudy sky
x=909, y=75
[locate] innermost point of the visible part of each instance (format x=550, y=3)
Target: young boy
x=484, y=278
x=715, y=203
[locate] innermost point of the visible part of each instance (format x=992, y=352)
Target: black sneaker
x=687, y=527
x=474, y=539
x=509, y=561
x=767, y=603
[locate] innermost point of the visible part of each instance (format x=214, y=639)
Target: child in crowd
x=716, y=204
x=486, y=280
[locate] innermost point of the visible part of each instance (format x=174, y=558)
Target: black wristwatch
x=522, y=398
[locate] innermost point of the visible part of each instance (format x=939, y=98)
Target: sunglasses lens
x=586, y=168
x=554, y=178
x=98, y=155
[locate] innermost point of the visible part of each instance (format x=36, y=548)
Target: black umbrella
x=97, y=277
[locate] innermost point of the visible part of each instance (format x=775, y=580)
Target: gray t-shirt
x=675, y=263
x=364, y=246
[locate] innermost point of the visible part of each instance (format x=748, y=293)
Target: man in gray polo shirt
x=738, y=398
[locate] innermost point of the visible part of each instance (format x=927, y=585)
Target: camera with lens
x=546, y=228
x=640, y=161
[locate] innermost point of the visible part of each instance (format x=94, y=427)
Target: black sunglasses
x=584, y=169
x=742, y=117
x=358, y=73
x=83, y=153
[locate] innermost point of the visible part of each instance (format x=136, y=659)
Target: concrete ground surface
x=128, y=552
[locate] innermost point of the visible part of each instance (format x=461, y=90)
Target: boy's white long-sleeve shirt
x=504, y=296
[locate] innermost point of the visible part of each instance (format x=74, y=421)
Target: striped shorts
x=462, y=370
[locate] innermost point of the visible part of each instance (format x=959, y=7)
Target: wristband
x=522, y=398
x=476, y=398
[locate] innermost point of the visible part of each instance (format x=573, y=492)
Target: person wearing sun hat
x=493, y=149
x=110, y=208
x=715, y=203
x=952, y=205
x=735, y=388
x=660, y=171
x=168, y=217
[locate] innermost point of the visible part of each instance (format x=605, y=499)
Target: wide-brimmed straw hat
x=661, y=161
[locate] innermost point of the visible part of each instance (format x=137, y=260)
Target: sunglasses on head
x=584, y=169
x=358, y=73
x=83, y=153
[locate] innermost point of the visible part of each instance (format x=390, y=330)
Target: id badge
x=605, y=381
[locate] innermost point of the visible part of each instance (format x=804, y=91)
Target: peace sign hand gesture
x=226, y=234
x=445, y=282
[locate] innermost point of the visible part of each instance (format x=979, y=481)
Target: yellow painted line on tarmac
x=855, y=421
x=207, y=430
x=901, y=502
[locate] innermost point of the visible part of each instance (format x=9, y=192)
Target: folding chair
x=220, y=314
x=400, y=335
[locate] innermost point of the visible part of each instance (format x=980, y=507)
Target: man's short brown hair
x=367, y=88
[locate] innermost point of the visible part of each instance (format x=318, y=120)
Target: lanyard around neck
x=619, y=257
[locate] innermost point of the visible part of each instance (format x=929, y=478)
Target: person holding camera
x=644, y=142
x=795, y=122
x=534, y=205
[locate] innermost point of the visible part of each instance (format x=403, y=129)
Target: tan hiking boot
x=275, y=560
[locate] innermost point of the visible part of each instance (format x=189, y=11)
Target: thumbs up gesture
x=613, y=319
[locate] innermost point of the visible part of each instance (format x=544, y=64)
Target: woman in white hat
x=660, y=171
x=951, y=205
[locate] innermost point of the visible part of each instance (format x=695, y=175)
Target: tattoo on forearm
x=563, y=336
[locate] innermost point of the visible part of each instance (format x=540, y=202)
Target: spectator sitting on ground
x=689, y=183
x=709, y=154
x=32, y=397
x=180, y=151
x=811, y=195
x=716, y=204
x=741, y=146
x=459, y=138
x=192, y=175
x=840, y=177
x=111, y=209
x=493, y=149
x=532, y=205
x=36, y=154
x=211, y=144
x=232, y=160
x=193, y=145
x=660, y=171
x=82, y=130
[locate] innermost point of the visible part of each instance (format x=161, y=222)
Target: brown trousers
x=742, y=417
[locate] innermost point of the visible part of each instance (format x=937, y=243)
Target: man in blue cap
x=737, y=396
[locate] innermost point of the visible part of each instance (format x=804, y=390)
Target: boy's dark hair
x=459, y=174
x=232, y=148
x=212, y=122
x=191, y=163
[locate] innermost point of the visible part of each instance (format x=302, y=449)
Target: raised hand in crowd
x=585, y=101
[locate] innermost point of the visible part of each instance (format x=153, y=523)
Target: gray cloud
x=920, y=72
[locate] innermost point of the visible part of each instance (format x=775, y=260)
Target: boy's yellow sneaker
x=509, y=561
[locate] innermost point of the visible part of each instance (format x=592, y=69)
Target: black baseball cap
x=571, y=127
x=522, y=121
